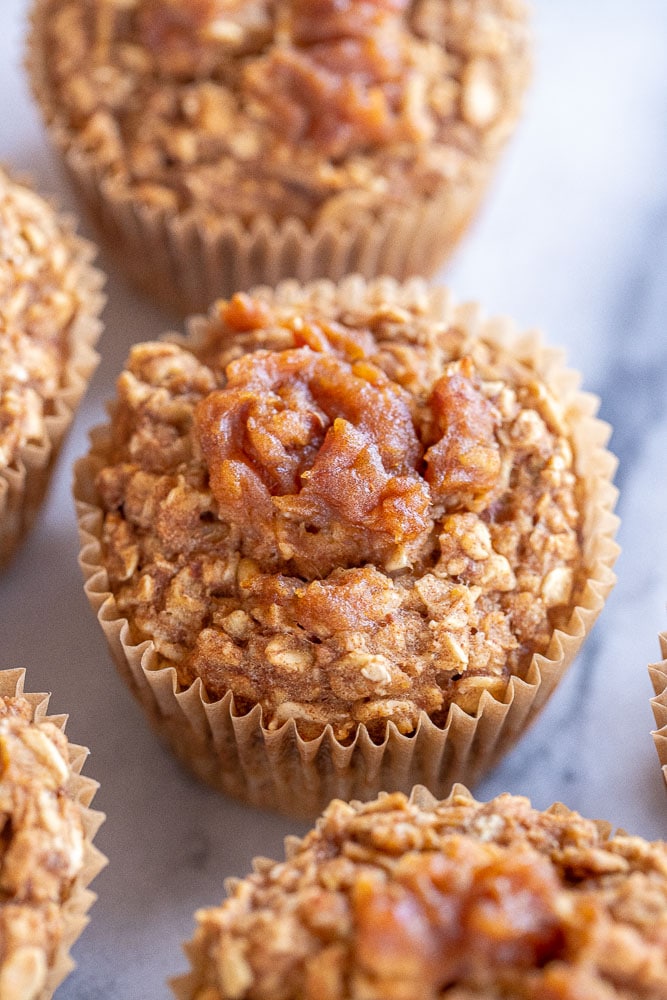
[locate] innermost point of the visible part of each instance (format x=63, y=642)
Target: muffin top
x=345, y=513
x=284, y=108
x=41, y=848
x=39, y=301
x=394, y=899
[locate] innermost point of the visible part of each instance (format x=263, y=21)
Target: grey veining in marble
x=573, y=239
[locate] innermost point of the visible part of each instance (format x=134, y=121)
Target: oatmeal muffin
x=49, y=306
x=399, y=898
x=658, y=672
x=224, y=144
x=350, y=512
x=46, y=855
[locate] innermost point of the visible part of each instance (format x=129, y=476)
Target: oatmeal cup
x=47, y=858
x=401, y=898
x=345, y=538
x=222, y=145
x=50, y=301
x=658, y=673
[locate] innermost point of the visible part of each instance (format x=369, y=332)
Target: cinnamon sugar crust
x=463, y=900
x=347, y=515
x=315, y=111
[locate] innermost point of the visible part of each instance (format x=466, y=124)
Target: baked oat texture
x=49, y=301
x=345, y=514
x=463, y=900
x=46, y=856
x=283, y=108
x=38, y=301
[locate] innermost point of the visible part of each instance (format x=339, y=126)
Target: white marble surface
x=573, y=239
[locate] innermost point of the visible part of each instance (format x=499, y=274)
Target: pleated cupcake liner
x=658, y=675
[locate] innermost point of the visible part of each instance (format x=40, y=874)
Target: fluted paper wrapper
x=279, y=769
x=658, y=674
x=81, y=791
x=186, y=261
x=24, y=482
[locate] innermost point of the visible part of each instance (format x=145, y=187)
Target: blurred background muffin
x=50, y=303
x=658, y=672
x=221, y=145
x=474, y=901
x=355, y=528
x=46, y=855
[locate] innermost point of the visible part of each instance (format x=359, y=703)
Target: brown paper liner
x=658, y=674
x=24, y=483
x=81, y=790
x=279, y=769
x=188, y=985
x=185, y=261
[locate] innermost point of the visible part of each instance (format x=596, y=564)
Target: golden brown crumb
x=345, y=515
x=454, y=900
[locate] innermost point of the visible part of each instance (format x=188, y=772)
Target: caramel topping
x=303, y=437
x=340, y=84
x=445, y=914
x=243, y=313
x=300, y=439
x=466, y=459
